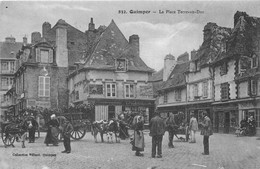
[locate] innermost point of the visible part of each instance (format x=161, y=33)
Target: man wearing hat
x=157, y=129
x=67, y=128
x=206, y=131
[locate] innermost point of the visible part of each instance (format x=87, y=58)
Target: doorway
x=227, y=122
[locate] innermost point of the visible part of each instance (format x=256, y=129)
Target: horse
x=106, y=127
x=16, y=130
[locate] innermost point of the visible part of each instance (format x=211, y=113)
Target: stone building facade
x=8, y=50
x=44, y=65
x=113, y=79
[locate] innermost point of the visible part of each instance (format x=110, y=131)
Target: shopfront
x=226, y=117
x=111, y=108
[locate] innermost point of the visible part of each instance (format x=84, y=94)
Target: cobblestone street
x=226, y=152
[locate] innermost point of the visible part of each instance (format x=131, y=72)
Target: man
x=193, y=127
x=67, y=129
x=206, y=132
x=33, y=125
x=157, y=129
x=138, y=140
x=171, y=127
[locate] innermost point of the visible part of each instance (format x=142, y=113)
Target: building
x=8, y=50
x=200, y=77
x=173, y=91
x=113, y=79
x=44, y=65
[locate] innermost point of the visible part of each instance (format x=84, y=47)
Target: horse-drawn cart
x=79, y=122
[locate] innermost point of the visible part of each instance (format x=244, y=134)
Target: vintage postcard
x=130, y=84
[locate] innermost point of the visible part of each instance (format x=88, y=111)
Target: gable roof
x=8, y=50
x=111, y=45
x=177, y=76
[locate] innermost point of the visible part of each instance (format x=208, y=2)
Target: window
x=254, y=61
x=5, y=82
x=129, y=90
x=205, y=89
x=77, y=95
x=44, y=56
x=178, y=95
x=44, y=86
x=111, y=90
x=195, y=90
x=165, y=98
x=253, y=87
x=4, y=66
x=12, y=67
x=224, y=91
x=223, y=69
x=121, y=65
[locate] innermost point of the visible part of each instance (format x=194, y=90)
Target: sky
x=160, y=33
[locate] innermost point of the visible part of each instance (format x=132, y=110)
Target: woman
x=138, y=142
x=251, y=126
x=52, y=132
x=193, y=128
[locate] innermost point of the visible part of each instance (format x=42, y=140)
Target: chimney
x=35, y=37
x=134, y=42
x=193, y=54
x=46, y=26
x=10, y=39
x=91, y=25
x=61, y=44
x=25, y=40
x=169, y=64
x=237, y=15
x=183, y=58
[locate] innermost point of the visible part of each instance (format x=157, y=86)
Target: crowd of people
x=247, y=127
x=158, y=126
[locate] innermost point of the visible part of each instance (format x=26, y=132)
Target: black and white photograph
x=145, y=84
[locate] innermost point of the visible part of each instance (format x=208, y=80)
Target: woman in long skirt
x=52, y=132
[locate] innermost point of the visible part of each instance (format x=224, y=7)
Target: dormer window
x=223, y=69
x=44, y=55
x=121, y=65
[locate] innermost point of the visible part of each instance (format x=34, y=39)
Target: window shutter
x=50, y=56
x=38, y=55
x=249, y=87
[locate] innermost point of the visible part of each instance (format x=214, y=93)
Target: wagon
x=79, y=122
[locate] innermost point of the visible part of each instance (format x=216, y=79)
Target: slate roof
x=9, y=49
x=157, y=76
x=112, y=45
x=211, y=47
x=177, y=76
x=75, y=52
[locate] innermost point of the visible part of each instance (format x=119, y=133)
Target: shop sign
x=43, y=104
x=146, y=90
x=95, y=89
x=246, y=105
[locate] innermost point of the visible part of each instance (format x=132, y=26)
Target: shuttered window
x=225, y=91
x=44, y=86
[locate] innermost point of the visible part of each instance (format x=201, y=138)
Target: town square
x=145, y=84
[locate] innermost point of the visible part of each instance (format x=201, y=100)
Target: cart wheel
x=8, y=139
x=78, y=133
